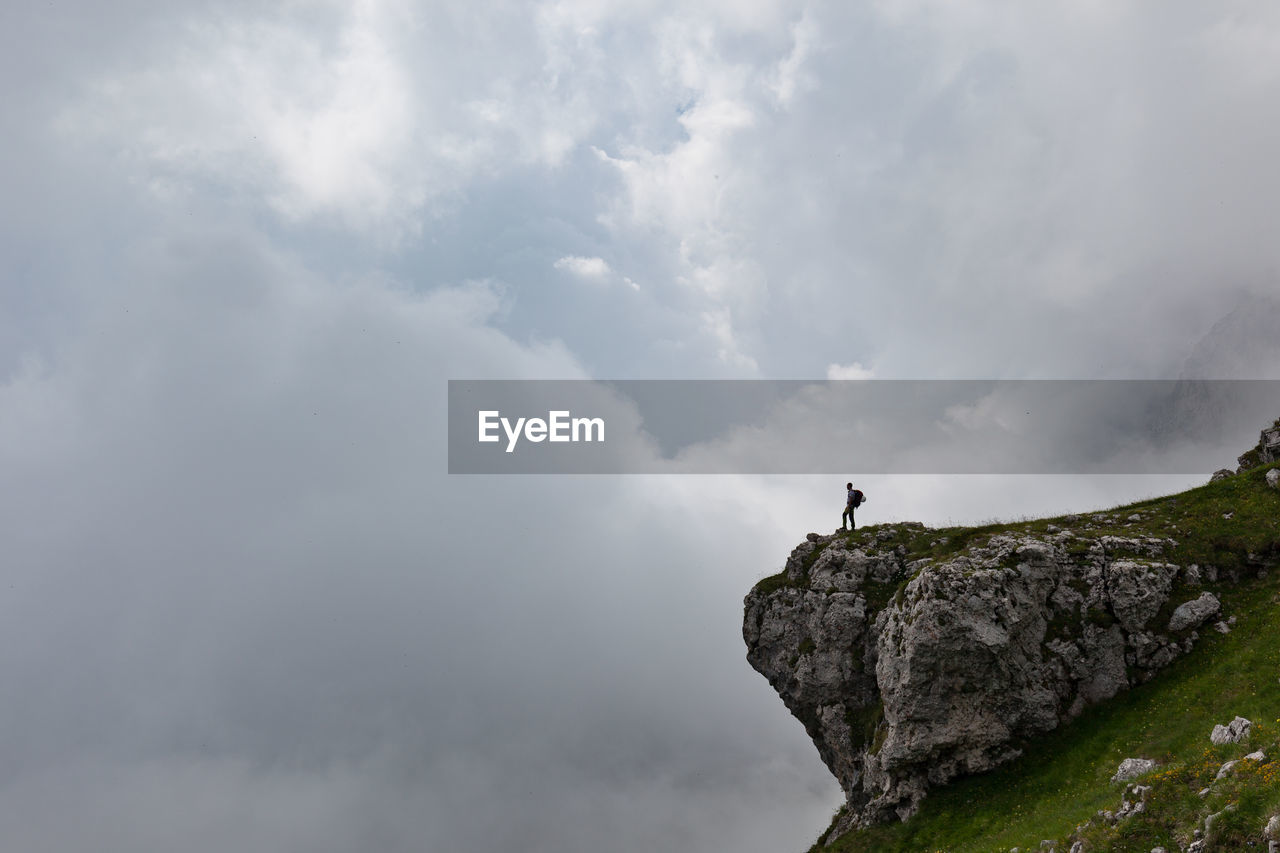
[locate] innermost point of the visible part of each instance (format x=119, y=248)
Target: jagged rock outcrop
x=1266, y=451
x=912, y=659
x=907, y=673
x=1233, y=732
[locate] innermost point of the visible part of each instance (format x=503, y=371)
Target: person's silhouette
x=854, y=500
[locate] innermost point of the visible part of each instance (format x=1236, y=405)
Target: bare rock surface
x=907, y=674
x=1192, y=614
x=1266, y=451
x=1233, y=732
x=1132, y=768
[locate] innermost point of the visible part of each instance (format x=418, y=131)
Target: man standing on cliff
x=855, y=499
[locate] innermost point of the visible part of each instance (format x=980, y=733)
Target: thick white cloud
x=589, y=269
x=878, y=174
x=850, y=371
x=243, y=589
x=245, y=248
x=315, y=123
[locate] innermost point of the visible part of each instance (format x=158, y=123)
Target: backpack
x=857, y=498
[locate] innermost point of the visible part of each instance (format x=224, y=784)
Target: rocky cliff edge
x=914, y=655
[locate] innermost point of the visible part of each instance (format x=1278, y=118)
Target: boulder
x=1233, y=732
x=1221, y=474
x=1193, y=613
x=1273, y=478
x=1132, y=768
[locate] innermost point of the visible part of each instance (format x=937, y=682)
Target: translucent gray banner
x=855, y=426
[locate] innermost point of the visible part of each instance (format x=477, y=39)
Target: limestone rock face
x=908, y=674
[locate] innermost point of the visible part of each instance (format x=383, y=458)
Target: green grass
x=773, y=583
x=1193, y=518
x=1063, y=778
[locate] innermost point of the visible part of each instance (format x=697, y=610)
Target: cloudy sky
x=245, y=246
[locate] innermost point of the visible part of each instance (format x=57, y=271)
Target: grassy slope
x=1063, y=779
